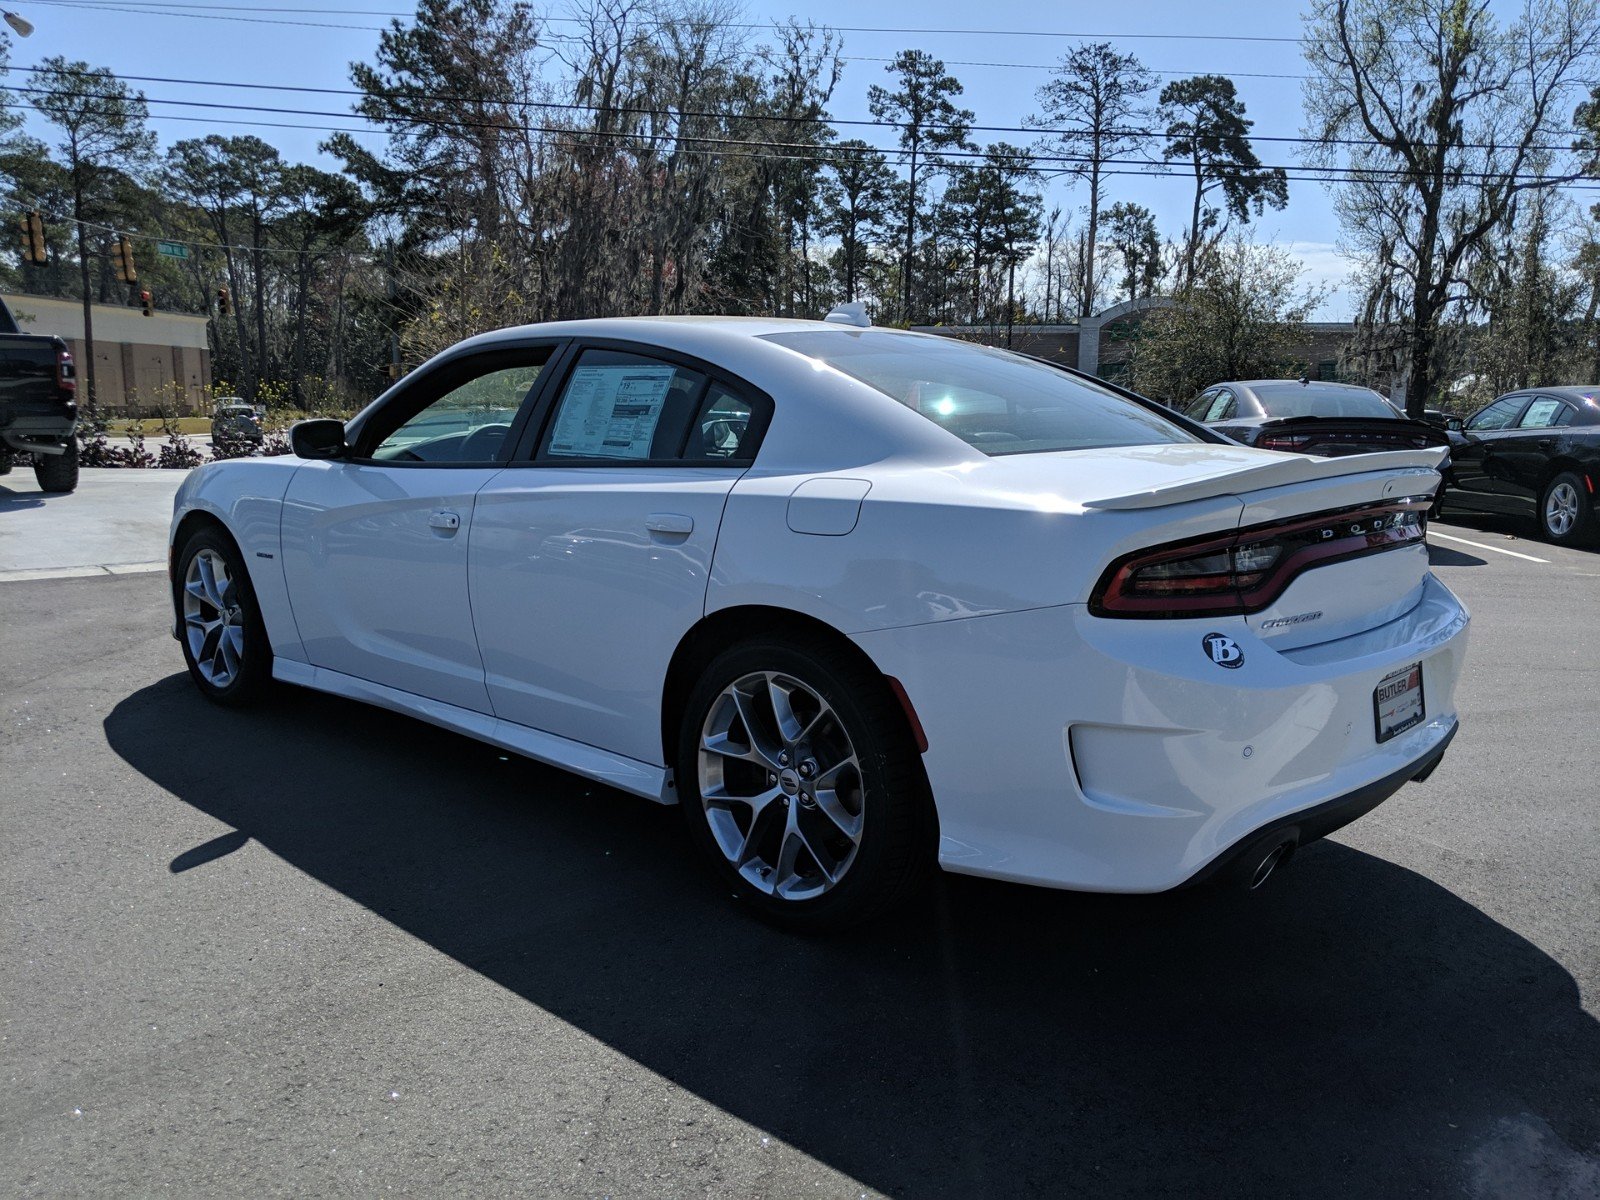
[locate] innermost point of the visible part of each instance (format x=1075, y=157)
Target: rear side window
x=622, y=407
x=997, y=402
x=1224, y=408
x=1309, y=400
x=1545, y=413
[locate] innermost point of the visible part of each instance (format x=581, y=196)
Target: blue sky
x=1000, y=72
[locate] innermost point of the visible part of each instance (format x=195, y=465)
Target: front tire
x=799, y=780
x=220, y=628
x=57, y=472
x=1566, y=511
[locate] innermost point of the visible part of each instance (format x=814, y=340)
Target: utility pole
x=394, y=327
x=83, y=271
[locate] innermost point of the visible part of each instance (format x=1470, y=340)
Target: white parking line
x=1433, y=533
x=30, y=573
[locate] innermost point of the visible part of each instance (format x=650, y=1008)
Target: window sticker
x=1541, y=414
x=611, y=411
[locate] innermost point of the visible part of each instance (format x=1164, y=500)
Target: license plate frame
x=1395, y=710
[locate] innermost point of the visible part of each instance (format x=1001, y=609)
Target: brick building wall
x=140, y=362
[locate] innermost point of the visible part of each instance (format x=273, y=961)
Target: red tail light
x=66, y=373
x=1244, y=572
x=1284, y=441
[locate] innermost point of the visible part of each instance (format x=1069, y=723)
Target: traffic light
x=33, y=248
x=126, y=271
x=222, y=302
x=144, y=299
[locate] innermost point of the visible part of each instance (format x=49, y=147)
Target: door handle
x=444, y=521
x=677, y=524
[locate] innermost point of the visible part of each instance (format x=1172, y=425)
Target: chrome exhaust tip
x=1268, y=864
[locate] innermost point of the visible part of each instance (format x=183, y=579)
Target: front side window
x=468, y=422
x=1498, y=415
x=1200, y=405
x=996, y=402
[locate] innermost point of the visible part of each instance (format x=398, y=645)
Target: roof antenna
x=853, y=313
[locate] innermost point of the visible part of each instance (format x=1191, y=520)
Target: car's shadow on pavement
x=11, y=498
x=1357, y=1031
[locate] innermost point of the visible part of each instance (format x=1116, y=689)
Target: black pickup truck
x=38, y=405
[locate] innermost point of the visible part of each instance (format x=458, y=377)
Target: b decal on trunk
x=1223, y=650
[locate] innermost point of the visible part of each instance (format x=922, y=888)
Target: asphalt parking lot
x=319, y=948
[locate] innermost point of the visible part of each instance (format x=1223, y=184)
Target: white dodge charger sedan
x=858, y=600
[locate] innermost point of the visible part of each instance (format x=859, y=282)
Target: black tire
x=57, y=472
x=1582, y=530
x=252, y=678
x=896, y=851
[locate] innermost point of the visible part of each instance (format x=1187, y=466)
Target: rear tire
x=817, y=813
x=220, y=628
x=1566, y=511
x=57, y=472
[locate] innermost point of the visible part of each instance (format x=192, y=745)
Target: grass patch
x=119, y=427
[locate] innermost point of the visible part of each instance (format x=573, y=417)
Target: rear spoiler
x=1295, y=468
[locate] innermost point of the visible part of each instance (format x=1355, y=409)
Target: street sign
x=172, y=249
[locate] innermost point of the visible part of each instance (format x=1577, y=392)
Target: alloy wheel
x=213, y=621
x=1561, y=509
x=781, y=785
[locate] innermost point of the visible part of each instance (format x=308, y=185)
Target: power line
x=188, y=7
x=577, y=139
x=700, y=114
x=197, y=10
x=1165, y=73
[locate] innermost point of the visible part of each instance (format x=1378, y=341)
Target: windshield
x=1309, y=400
x=997, y=402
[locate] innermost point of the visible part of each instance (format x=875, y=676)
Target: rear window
x=1309, y=400
x=997, y=402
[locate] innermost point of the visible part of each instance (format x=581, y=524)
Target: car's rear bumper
x=54, y=425
x=1322, y=819
x=1084, y=752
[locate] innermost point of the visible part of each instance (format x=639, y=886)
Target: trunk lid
x=1332, y=499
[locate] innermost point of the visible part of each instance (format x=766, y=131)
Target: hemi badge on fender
x=1297, y=619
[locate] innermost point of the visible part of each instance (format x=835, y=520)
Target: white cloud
x=1326, y=265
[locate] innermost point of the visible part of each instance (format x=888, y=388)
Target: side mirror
x=1454, y=424
x=321, y=438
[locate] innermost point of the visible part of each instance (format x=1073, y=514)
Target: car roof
x=1579, y=391
x=706, y=336
x=1256, y=385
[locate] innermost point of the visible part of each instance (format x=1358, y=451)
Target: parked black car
x=1311, y=417
x=1534, y=453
